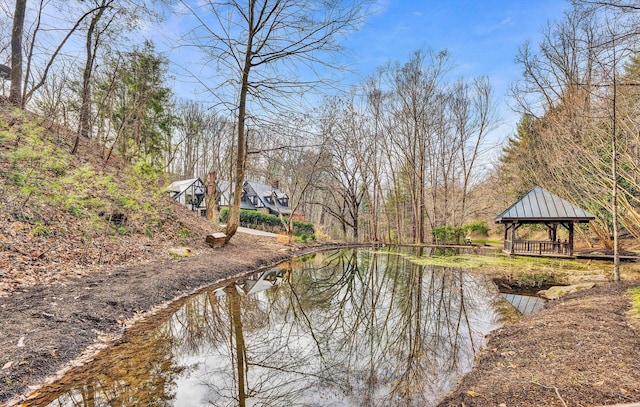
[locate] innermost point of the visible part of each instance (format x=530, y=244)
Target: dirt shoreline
x=579, y=351
x=45, y=327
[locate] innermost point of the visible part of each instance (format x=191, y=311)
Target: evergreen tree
x=136, y=104
x=519, y=161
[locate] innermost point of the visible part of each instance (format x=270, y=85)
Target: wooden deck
x=537, y=252
x=606, y=257
x=545, y=248
x=550, y=255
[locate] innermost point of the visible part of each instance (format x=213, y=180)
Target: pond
x=340, y=328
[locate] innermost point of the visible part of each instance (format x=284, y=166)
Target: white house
x=190, y=193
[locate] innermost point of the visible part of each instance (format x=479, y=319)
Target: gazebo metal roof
x=539, y=205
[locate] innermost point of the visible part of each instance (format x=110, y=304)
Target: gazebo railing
x=538, y=247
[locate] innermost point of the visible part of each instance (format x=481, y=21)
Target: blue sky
x=483, y=37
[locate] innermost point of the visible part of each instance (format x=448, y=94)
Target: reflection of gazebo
x=541, y=207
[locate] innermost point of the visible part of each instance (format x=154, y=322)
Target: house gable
x=224, y=188
x=255, y=196
x=269, y=197
x=190, y=193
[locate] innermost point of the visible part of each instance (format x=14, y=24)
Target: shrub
x=306, y=238
x=303, y=228
x=454, y=234
x=447, y=234
x=478, y=227
x=269, y=223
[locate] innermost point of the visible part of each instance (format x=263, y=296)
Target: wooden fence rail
x=538, y=247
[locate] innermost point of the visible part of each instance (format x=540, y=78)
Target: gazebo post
x=504, y=239
x=553, y=231
x=570, y=238
x=513, y=237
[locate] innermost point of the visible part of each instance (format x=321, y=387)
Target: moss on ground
x=46, y=180
x=635, y=301
x=527, y=269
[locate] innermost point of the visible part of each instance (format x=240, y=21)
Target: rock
x=216, y=239
x=179, y=251
x=596, y=276
x=560, y=290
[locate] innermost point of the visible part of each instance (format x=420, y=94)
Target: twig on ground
x=552, y=388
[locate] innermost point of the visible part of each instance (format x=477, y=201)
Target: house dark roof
x=225, y=199
x=265, y=192
x=539, y=205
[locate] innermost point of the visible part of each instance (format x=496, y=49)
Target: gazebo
x=541, y=207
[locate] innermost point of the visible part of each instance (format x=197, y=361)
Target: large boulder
x=560, y=290
x=180, y=251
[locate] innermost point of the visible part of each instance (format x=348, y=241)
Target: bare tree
x=375, y=166
x=15, y=91
x=405, y=159
x=109, y=18
x=588, y=114
x=344, y=182
x=417, y=107
x=30, y=83
x=91, y=44
x=256, y=41
x=472, y=113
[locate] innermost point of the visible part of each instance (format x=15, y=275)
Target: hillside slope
x=66, y=215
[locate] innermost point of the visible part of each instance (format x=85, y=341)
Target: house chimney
x=275, y=184
x=212, y=183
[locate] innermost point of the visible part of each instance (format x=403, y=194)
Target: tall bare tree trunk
x=15, y=91
x=614, y=178
x=241, y=156
x=85, y=107
x=213, y=198
x=235, y=315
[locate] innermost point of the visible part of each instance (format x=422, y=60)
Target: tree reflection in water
x=352, y=327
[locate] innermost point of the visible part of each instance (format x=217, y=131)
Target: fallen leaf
x=20, y=342
x=472, y=393
x=7, y=365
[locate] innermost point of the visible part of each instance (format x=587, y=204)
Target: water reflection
x=346, y=328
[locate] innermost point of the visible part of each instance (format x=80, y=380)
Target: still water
x=342, y=328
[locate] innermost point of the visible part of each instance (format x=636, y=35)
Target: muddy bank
x=580, y=351
x=45, y=327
